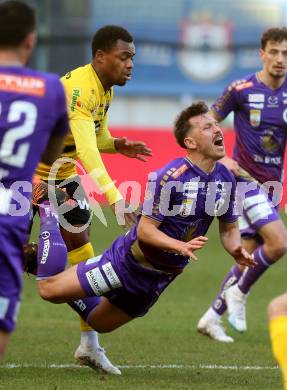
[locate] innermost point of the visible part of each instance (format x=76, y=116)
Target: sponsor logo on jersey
x=45, y=235
x=259, y=106
x=81, y=305
x=284, y=94
x=191, y=186
x=255, y=117
x=272, y=101
x=256, y=98
x=76, y=93
x=97, y=282
x=111, y=275
x=46, y=251
x=179, y=171
x=259, y=212
x=23, y=84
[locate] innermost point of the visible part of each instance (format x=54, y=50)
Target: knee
x=47, y=292
x=277, y=307
x=278, y=248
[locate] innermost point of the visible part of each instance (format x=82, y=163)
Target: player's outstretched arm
x=132, y=149
x=230, y=239
x=149, y=233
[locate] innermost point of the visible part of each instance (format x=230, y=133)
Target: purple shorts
x=12, y=238
x=124, y=282
x=257, y=211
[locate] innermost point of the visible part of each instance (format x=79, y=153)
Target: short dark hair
x=274, y=34
x=106, y=37
x=182, y=125
x=17, y=20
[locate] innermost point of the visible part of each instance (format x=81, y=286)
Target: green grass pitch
x=160, y=351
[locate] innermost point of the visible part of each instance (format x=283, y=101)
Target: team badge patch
x=255, y=117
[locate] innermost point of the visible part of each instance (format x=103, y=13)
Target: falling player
x=181, y=202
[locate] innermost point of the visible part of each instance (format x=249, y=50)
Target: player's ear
x=100, y=56
x=30, y=41
x=190, y=143
x=261, y=54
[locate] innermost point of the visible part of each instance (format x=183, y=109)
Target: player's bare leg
x=80, y=249
x=62, y=287
x=107, y=317
x=103, y=316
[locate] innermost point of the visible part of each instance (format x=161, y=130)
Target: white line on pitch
x=153, y=366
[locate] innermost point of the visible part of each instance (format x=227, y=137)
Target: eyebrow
x=125, y=51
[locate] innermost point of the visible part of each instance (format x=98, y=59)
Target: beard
x=277, y=74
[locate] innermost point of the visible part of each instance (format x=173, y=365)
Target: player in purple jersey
x=259, y=103
x=33, y=123
x=181, y=201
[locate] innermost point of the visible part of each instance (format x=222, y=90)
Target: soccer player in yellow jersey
x=89, y=91
x=277, y=313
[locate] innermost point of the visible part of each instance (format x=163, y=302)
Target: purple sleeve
x=230, y=215
x=227, y=102
x=62, y=122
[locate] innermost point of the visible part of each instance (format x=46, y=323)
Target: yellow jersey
x=88, y=104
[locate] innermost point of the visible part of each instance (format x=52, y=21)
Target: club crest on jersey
x=186, y=207
x=255, y=117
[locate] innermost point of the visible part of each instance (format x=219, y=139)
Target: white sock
x=211, y=314
x=89, y=339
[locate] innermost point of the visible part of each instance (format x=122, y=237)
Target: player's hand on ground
x=231, y=164
x=187, y=248
x=132, y=149
x=124, y=217
x=242, y=257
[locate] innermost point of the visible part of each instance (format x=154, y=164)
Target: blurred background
x=185, y=50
